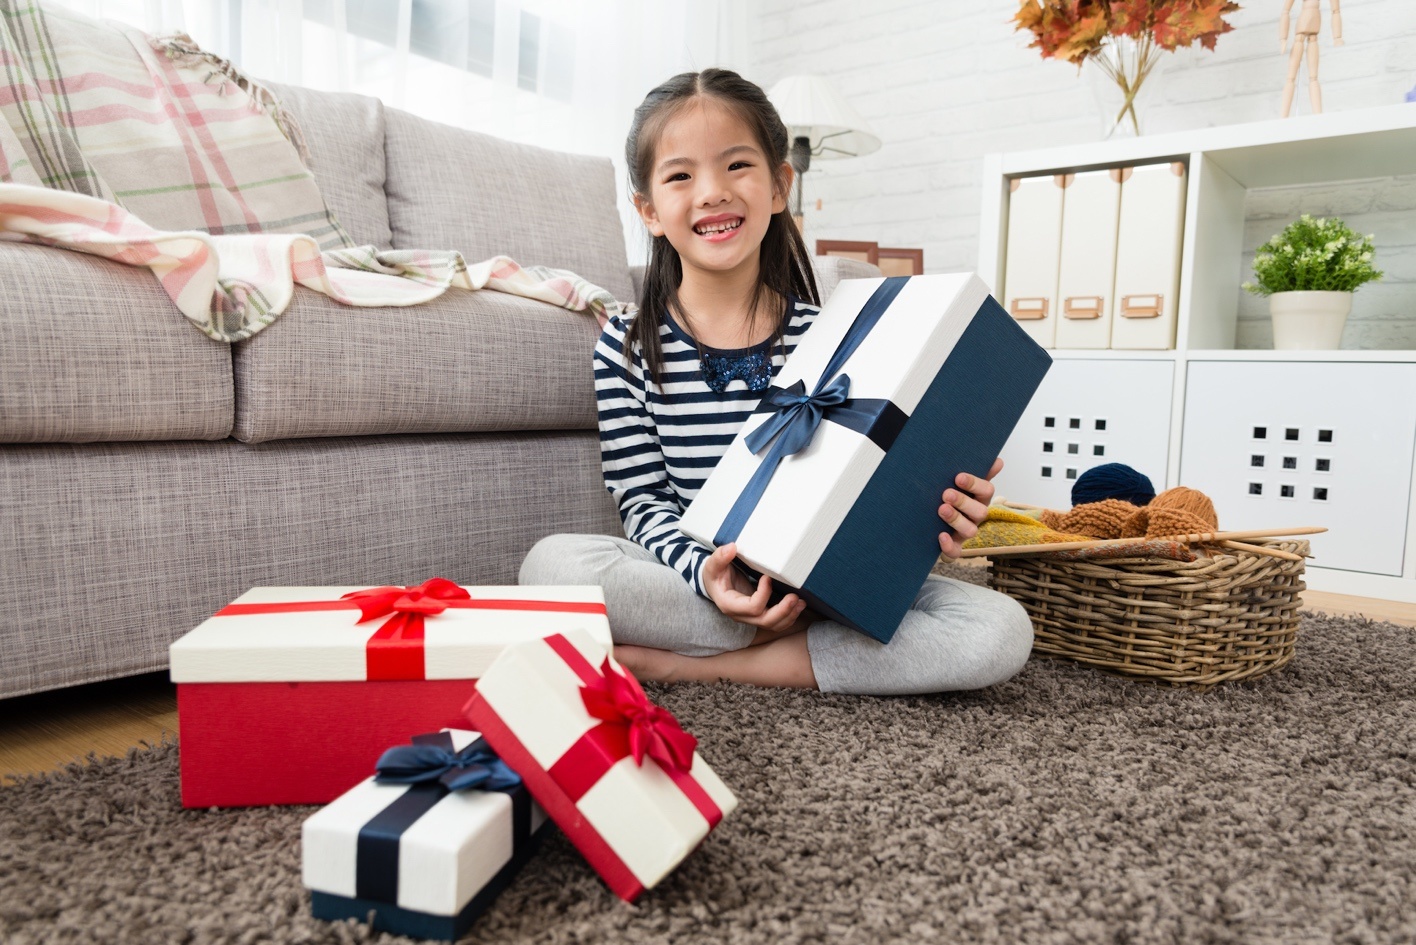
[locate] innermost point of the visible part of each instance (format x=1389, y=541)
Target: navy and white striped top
x=658, y=443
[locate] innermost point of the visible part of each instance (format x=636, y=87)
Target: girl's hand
x=964, y=509
x=735, y=595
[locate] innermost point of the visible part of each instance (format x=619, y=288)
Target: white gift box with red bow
x=289, y=694
x=616, y=772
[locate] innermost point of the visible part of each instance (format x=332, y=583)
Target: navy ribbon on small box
x=433, y=769
x=797, y=414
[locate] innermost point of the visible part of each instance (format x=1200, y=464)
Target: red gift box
x=289, y=695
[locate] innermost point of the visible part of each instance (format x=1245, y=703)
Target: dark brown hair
x=784, y=265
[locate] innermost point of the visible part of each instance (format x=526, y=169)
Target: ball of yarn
x=1112, y=481
x=1178, y=511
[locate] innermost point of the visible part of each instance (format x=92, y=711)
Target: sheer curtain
x=562, y=74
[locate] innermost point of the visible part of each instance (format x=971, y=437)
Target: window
x=1260, y=433
x=1322, y=465
x=1290, y=462
x=1074, y=423
x=1100, y=424
x=1047, y=472
x=1256, y=488
x=529, y=52
x=1287, y=492
x=1324, y=436
x=1291, y=434
x=1073, y=448
x=1320, y=493
x=1256, y=461
x=1098, y=449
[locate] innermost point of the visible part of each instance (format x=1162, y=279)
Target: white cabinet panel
x=1088, y=413
x=1283, y=444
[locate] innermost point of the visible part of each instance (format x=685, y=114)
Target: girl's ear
x=785, y=177
x=648, y=214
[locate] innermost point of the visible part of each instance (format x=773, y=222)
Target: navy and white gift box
x=832, y=487
x=423, y=858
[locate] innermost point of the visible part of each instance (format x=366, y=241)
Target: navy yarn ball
x=1112, y=481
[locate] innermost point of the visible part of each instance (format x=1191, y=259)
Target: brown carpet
x=1063, y=806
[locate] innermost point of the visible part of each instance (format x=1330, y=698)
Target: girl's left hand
x=964, y=509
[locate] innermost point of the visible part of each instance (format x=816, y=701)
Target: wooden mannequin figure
x=1305, y=36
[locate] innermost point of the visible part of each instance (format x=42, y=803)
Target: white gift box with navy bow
x=426, y=844
x=833, y=485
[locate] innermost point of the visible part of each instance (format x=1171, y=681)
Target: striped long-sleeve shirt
x=659, y=442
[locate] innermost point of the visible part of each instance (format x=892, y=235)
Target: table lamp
x=820, y=122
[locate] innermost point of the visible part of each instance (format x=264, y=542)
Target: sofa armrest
x=830, y=270
x=93, y=350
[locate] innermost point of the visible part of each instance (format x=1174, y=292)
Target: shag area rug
x=1063, y=806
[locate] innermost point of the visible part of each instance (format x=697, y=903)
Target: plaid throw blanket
x=155, y=153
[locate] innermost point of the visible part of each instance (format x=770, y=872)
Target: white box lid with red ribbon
x=435, y=630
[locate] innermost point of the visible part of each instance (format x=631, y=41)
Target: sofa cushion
x=483, y=196
x=345, y=137
x=93, y=350
x=464, y=362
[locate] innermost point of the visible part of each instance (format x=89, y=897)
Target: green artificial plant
x=1314, y=255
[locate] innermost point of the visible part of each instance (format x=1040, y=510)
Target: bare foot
x=647, y=663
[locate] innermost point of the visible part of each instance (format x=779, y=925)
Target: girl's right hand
x=735, y=596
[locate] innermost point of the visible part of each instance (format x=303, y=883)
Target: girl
x=727, y=294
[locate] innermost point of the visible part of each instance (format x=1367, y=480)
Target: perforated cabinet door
x=1088, y=413
x=1307, y=444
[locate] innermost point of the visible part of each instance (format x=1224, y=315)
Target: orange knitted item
x=1098, y=519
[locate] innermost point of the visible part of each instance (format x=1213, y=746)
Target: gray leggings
x=956, y=636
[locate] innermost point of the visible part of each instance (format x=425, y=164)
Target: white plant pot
x=1309, y=320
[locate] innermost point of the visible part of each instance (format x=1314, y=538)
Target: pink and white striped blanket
x=154, y=153
x=232, y=286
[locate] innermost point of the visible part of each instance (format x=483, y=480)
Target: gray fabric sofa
x=148, y=475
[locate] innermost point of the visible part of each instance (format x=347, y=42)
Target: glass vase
x=1123, y=79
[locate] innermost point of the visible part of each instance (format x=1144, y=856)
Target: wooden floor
x=41, y=732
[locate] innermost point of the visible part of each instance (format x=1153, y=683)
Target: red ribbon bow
x=400, y=640
x=616, y=699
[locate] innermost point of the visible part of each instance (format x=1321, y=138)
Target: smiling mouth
x=722, y=226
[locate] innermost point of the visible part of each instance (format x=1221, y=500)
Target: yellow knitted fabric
x=1006, y=527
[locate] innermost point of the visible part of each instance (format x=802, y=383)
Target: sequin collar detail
x=754, y=367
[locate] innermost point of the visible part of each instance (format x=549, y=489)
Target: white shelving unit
x=1338, y=428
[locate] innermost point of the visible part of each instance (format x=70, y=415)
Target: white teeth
x=717, y=227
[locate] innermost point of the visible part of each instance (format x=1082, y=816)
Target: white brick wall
x=944, y=82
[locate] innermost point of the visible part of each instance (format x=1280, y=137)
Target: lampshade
x=812, y=108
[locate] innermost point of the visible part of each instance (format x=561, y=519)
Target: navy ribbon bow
x=433, y=769
x=475, y=766
x=797, y=414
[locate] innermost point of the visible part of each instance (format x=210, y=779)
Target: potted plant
x=1309, y=272
x=1123, y=39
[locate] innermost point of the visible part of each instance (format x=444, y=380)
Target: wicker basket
x=1230, y=616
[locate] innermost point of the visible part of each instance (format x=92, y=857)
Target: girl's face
x=711, y=191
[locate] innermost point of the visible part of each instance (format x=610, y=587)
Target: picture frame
x=900, y=261
x=850, y=249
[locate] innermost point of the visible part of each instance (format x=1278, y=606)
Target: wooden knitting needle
x=1260, y=550
x=1195, y=539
